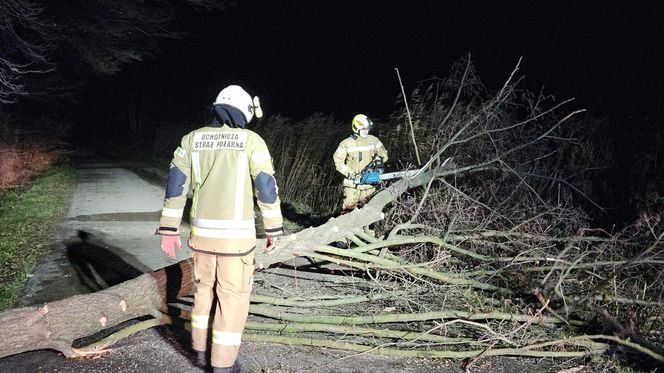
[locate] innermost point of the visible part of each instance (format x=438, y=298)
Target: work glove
x=169, y=243
x=270, y=245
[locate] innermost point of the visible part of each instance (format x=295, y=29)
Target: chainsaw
x=373, y=173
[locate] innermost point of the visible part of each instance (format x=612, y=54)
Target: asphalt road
x=114, y=210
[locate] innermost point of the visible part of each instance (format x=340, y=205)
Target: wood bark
x=58, y=324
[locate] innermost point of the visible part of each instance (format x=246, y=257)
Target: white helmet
x=238, y=98
x=361, y=122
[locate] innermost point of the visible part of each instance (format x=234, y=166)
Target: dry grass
x=302, y=154
x=20, y=163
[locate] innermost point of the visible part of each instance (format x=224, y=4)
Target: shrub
x=19, y=163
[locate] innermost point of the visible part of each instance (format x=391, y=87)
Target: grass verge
x=29, y=216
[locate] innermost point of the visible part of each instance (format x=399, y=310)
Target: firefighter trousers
x=230, y=278
x=356, y=195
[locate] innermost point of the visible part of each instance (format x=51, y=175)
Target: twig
x=410, y=121
x=456, y=98
x=119, y=335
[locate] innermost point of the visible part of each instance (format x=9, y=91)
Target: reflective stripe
x=200, y=321
x=172, y=213
x=260, y=156
x=196, y=165
x=226, y=338
x=339, y=150
x=361, y=148
x=242, y=166
x=223, y=233
x=275, y=213
x=224, y=224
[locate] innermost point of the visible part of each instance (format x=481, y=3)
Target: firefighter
x=225, y=164
x=352, y=156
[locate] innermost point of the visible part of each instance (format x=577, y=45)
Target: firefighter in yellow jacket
x=352, y=156
x=225, y=164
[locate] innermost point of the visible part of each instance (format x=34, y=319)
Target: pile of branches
x=417, y=291
x=495, y=253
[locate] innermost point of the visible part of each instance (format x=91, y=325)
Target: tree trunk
x=58, y=324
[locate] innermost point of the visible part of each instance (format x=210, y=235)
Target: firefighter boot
x=232, y=369
x=201, y=359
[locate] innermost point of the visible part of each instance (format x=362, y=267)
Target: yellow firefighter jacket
x=355, y=153
x=224, y=166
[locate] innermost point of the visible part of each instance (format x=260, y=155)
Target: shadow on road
x=96, y=265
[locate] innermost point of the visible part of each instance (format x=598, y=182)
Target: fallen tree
x=58, y=324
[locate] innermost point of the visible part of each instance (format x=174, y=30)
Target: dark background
x=131, y=77
x=339, y=57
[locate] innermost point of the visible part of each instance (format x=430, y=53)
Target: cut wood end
x=89, y=353
x=123, y=305
x=43, y=310
x=103, y=320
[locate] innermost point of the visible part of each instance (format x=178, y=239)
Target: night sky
x=339, y=57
